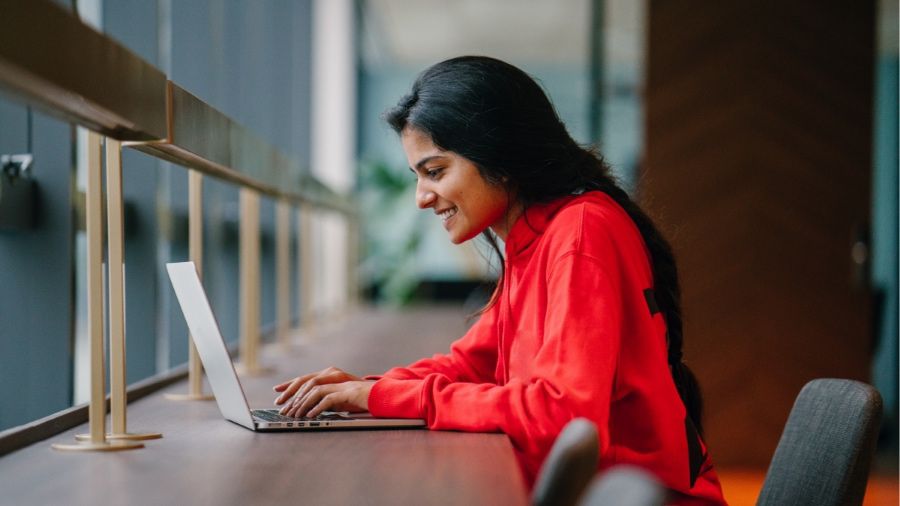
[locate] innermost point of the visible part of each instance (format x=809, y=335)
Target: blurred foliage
x=389, y=182
x=393, y=232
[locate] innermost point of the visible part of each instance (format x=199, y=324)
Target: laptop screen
x=210, y=345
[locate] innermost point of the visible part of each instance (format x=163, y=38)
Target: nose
x=425, y=198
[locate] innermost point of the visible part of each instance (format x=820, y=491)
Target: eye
x=433, y=174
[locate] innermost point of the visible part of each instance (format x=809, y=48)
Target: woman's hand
x=331, y=389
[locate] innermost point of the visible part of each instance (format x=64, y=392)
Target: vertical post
x=195, y=251
x=195, y=246
x=244, y=345
x=254, y=280
x=301, y=275
x=115, y=238
x=249, y=281
x=94, y=224
x=353, y=255
x=306, y=267
x=114, y=265
x=283, y=271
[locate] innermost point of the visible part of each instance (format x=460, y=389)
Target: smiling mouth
x=446, y=215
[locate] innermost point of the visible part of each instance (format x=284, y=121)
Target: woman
x=585, y=320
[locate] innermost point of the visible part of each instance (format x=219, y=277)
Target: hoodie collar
x=532, y=223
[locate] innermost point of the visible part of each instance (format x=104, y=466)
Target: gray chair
x=624, y=486
x=569, y=467
x=826, y=448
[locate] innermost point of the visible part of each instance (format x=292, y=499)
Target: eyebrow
x=423, y=161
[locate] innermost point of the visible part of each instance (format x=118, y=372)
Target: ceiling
x=420, y=32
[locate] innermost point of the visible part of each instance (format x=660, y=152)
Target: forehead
x=418, y=144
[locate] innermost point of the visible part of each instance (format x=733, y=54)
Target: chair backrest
x=826, y=448
x=624, y=486
x=569, y=467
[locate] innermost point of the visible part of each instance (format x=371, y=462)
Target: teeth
x=446, y=215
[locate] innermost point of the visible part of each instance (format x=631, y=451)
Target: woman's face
x=452, y=186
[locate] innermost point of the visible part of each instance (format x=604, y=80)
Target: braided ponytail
x=667, y=291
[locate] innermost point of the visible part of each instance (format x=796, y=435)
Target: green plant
x=393, y=232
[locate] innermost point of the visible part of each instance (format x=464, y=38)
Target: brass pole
x=283, y=271
x=94, y=224
x=306, y=268
x=195, y=246
x=249, y=289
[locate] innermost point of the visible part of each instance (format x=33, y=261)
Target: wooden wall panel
x=757, y=167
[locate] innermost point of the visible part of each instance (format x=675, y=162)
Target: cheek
x=490, y=208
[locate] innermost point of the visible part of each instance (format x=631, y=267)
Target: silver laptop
x=224, y=381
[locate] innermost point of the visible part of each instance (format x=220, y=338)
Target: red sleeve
x=472, y=358
x=572, y=373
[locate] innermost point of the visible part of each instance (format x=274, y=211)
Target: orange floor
x=741, y=488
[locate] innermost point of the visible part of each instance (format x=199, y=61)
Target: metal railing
x=52, y=61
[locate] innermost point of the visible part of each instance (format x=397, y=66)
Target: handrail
x=51, y=60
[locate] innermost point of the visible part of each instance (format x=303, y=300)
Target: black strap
x=650, y=297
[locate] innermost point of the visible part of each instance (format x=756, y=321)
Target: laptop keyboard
x=272, y=415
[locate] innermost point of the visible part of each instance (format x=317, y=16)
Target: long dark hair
x=498, y=117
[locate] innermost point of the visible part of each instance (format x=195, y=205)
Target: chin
x=461, y=238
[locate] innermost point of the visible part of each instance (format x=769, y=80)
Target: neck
x=502, y=226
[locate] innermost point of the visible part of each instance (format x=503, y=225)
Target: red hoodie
x=571, y=335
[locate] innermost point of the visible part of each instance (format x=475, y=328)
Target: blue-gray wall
x=36, y=275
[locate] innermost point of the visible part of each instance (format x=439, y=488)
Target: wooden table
x=203, y=459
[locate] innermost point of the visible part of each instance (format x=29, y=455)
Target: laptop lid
x=210, y=345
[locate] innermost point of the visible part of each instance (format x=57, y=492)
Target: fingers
x=315, y=396
x=289, y=388
x=330, y=375
x=281, y=386
x=345, y=396
x=308, y=395
x=300, y=387
x=327, y=402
